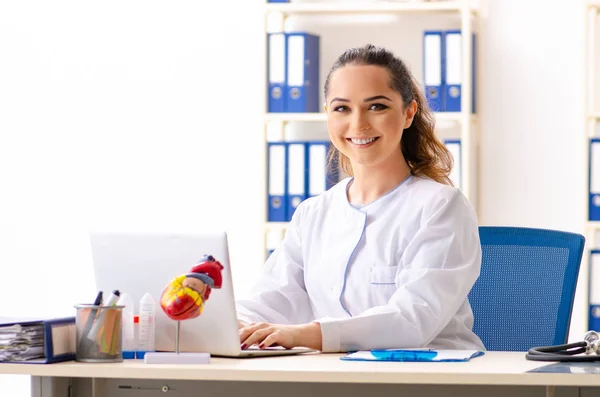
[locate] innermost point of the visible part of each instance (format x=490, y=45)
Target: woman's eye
x=340, y=109
x=378, y=106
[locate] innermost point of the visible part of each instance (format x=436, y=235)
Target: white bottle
x=128, y=338
x=147, y=326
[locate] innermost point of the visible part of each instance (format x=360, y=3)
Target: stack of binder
x=594, y=291
x=293, y=72
x=442, y=70
x=594, y=215
x=594, y=180
x=37, y=341
x=295, y=172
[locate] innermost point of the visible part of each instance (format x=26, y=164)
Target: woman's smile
x=362, y=142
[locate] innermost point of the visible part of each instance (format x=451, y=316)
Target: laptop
x=137, y=263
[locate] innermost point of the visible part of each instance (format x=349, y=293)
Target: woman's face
x=365, y=116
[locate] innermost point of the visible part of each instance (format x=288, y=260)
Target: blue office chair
x=524, y=295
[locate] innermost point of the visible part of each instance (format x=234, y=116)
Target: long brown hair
x=424, y=153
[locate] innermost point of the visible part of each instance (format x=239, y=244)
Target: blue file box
x=302, y=72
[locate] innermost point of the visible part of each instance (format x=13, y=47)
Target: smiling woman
x=388, y=102
x=387, y=257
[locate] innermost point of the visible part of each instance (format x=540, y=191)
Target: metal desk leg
x=47, y=386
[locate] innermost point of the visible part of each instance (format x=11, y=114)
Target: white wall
x=532, y=111
x=123, y=114
x=146, y=114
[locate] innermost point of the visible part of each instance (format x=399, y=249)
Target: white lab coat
x=394, y=273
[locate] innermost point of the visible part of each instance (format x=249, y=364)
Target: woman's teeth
x=362, y=141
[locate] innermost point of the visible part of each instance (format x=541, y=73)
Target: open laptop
x=137, y=263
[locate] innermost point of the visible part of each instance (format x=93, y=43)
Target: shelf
x=463, y=11
x=594, y=116
x=276, y=225
x=451, y=116
x=367, y=7
x=285, y=117
x=594, y=225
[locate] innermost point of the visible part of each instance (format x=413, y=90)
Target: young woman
x=386, y=257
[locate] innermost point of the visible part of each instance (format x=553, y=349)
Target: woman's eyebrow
x=339, y=99
x=373, y=98
x=369, y=99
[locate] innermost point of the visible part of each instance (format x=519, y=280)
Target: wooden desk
x=494, y=374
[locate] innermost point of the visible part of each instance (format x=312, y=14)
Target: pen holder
x=98, y=334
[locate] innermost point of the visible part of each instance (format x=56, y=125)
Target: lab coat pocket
x=382, y=283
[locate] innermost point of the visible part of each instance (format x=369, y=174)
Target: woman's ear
x=411, y=110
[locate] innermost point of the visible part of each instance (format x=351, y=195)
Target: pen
x=98, y=300
x=90, y=320
x=112, y=300
x=404, y=355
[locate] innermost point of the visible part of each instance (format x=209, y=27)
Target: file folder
x=59, y=338
x=433, y=66
x=297, y=166
x=453, y=71
x=594, y=180
x=276, y=71
x=454, y=147
x=302, y=76
x=416, y=355
x=276, y=181
x=320, y=176
x=594, y=291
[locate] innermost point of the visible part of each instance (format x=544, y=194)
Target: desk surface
x=493, y=368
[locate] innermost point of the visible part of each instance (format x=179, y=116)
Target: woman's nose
x=360, y=123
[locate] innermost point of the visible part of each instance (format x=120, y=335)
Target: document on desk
x=37, y=340
x=413, y=355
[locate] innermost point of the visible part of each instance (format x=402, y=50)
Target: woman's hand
x=288, y=336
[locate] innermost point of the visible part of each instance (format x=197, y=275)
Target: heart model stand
x=183, y=298
x=177, y=357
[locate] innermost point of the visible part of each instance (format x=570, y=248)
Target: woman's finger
x=257, y=337
x=250, y=329
x=271, y=340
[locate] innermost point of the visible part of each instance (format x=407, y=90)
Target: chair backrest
x=524, y=294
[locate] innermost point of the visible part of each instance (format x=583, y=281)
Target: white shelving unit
x=592, y=117
x=366, y=7
x=465, y=9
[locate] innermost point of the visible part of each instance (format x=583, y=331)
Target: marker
x=112, y=301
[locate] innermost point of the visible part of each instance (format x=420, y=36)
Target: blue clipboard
x=413, y=355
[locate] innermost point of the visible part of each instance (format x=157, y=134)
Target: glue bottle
x=147, y=325
x=128, y=337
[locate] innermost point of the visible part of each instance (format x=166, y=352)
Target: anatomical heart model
x=185, y=296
